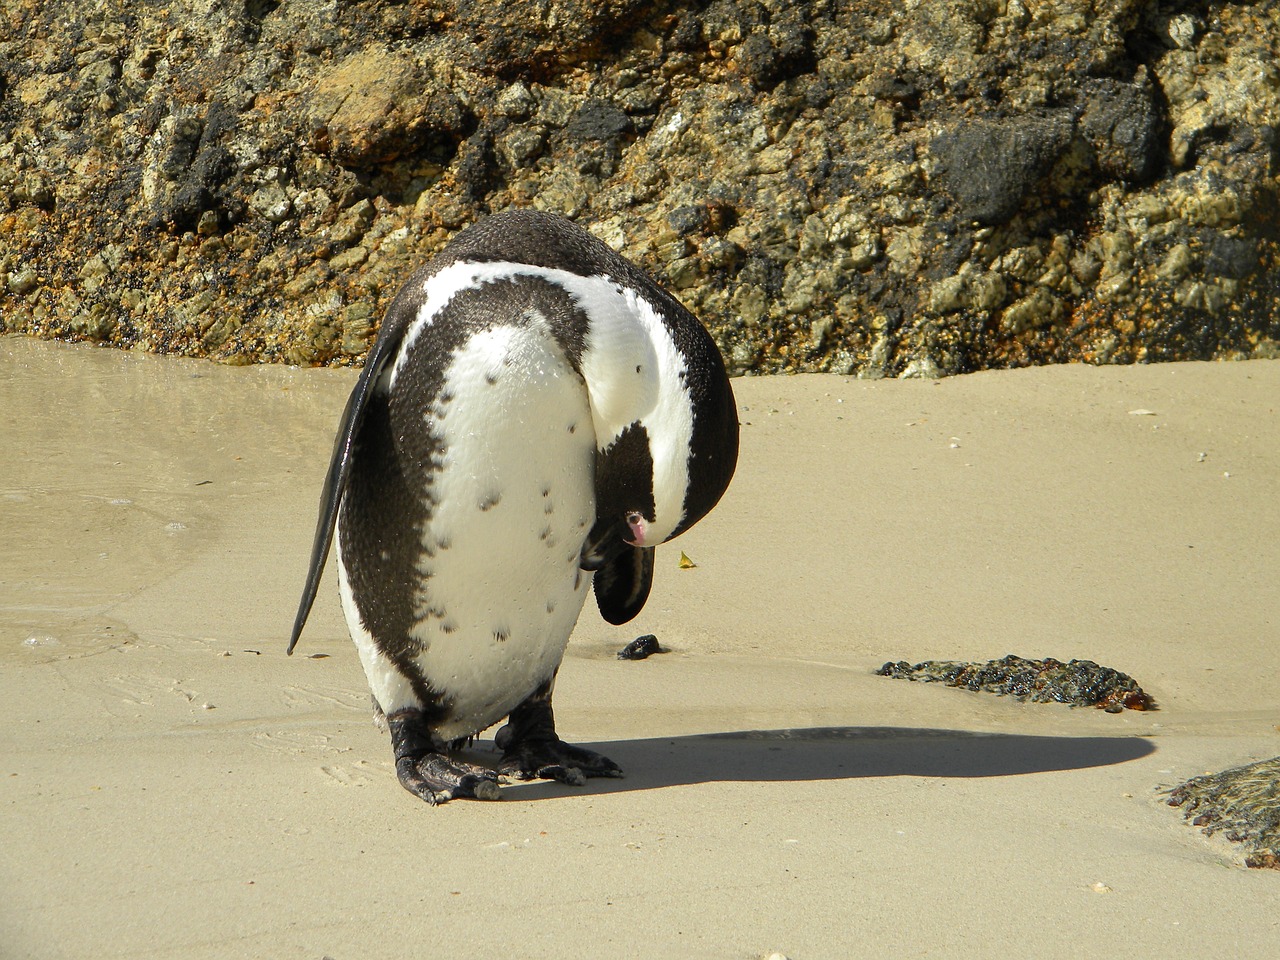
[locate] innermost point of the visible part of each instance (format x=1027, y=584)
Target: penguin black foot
x=554, y=760
x=531, y=750
x=424, y=769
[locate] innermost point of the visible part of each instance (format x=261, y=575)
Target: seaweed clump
x=1243, y=803
x=1080, y=683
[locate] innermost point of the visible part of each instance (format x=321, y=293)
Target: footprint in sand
x=348, y=776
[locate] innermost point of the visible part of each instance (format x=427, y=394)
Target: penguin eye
x=634, y=516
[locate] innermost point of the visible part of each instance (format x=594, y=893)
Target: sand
x=173, y=786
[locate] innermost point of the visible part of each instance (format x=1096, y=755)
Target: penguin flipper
x=335, y=480
x=622, y=584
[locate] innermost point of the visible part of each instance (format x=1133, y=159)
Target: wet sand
x=173, y=786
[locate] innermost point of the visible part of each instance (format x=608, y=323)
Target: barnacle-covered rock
x=861, y=187
x=1242, y=803
x=1080, y=683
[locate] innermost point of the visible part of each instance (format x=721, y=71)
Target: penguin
x=536, y=414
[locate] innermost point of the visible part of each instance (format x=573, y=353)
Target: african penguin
x=535, y=412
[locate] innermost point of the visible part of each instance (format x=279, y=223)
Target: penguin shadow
x=838, y=753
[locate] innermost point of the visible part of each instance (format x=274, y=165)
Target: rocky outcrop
x=859, y=186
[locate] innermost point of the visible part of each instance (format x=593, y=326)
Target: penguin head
x=652, y=484
x=642, y=416
x=631, y=510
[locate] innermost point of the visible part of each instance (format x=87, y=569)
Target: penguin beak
x=610, y=538
x=606, y=540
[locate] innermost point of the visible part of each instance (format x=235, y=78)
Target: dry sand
x=172, y=786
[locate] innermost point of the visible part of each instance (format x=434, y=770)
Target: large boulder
x=859, y=186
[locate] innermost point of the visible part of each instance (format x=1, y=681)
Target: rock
x=516, y=102
x=1228, y=256
x=554, y=33
x=271, y=202
x=1080, y=683
x=375, y=106
x=1038, y=309
x=777, y=53
x=988, y=166
x=598, y=120
x=23, y=281
x=1242, y=803
x=1122, y=124
x=928, y=190
x=641, y=648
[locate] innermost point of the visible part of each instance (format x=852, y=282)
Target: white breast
x=501, y=589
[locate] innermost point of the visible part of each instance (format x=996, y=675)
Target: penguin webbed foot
x=531, y=749
x=427, y=772
x=554, y=760
x=437, y=779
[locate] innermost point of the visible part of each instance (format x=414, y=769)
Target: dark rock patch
x=990, y=166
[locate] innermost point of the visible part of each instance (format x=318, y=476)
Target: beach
x=174, y=786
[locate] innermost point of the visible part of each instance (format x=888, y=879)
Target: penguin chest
x=511, y=502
